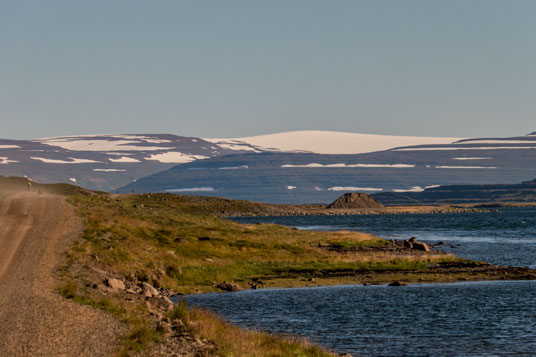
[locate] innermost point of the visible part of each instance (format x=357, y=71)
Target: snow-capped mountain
x=283, y=177
x=327, y=142
x=102, y=162
x=105, y=162
x=302, y=166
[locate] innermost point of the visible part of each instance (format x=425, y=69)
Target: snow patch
x=174, y=157
x=237, y=146
x=469, y=148
x=291, y=187
x=315, y=165
x=75, y=161
x=192, y=189
x=109, y=170
x=487, y=142
x=9, y=147
x=125, y=159
x=466, y=167
x=471, y=158
x=5, y=161
x=331, y=142
x=351, y=188
x=72, y=179
x=413, y=189
x=234, y=167
x=75, y=144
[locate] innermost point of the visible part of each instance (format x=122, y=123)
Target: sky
x=463, y=68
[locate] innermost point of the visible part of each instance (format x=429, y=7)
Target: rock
x=163, y=327
x=366, y=284
x=166, y=303
x=408, y=244
x=397, y=283
x=355, y=200
x=115, y=284
x=208, y=260
x=100, y=287
x=420, y=246
x=228, y=286
x=413, y=239
x=148, y=290
x=440, y=243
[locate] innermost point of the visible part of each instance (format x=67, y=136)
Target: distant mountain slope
x=315, y=178
x=458, y=194
x=329, y=142
x=106, y=162
x=101, y=162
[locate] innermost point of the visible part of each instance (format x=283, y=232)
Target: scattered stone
x=440, y=243
x=413, y=239
x=397, y=283
x=130, y=291
x=228, y=286
x=367, y=284
x=115, y=284
x=421, y=246
x=408, y=244
x=164, y=327
x=453, y=246
x=100, y=287
x=203, y=239
x=148, y=290
x=208, y=260
x=312, y=280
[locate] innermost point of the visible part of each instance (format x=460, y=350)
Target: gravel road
x=35, y=229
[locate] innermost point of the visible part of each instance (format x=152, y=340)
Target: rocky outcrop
x=227, y=286
x=355, y=200
x=412, y=243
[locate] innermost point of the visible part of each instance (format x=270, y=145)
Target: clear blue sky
x=235, y=68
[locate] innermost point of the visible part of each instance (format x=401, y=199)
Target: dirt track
x=34, y=320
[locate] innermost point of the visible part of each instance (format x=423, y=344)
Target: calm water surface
x=465, y=319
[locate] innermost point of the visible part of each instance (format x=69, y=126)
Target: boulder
x=115, y=284
x=398, y=283
x=421, y=246
x=148, y=290
x=228, y=286
x=408, y=244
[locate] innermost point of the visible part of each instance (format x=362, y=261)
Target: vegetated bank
x=137, y=250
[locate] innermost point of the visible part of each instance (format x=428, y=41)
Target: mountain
x=328, y=142
x=292, y=167
x=106, y=162
x=459, y=194
x=297, y=177
x=103, y=162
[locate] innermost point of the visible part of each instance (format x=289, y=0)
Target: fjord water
x=474, y=318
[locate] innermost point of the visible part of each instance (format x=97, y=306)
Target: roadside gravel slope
x=35, y=320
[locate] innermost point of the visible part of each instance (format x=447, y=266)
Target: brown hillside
x=355, y=200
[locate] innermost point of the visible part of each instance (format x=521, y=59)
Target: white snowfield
x=74, y=161
x=330, y=142
x=5, y=161
x=352, y=188
x=315, y=165
x=125, y=159
x=175, y=157
x=98, y=144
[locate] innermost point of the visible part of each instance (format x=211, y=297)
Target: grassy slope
x=176, y=242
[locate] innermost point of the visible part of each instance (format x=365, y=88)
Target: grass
x=180, y=243
x=172, y=241
x=234, y=341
